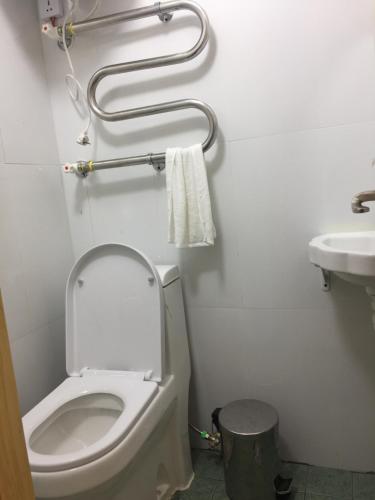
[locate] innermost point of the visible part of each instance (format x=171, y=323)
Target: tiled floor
x=310, y=483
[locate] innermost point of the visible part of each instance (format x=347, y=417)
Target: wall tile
x=36, y=256
x=25, y=115
x=123, y=208
x=288, y=189
x=2, y=156
x=39, y=363
x=35, y=250
x=11, y=272
x=78, y=211
x=291, y=66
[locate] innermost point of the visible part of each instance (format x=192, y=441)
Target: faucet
x=359, y=198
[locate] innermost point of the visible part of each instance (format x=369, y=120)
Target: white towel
x=189, y=206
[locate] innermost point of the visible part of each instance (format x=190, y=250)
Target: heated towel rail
x=163, y=11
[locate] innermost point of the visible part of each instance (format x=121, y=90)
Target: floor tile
x=364, y=486
x=312, y=496
x=298, y=495
x=320, y=483
x=201, y=489
x=298, y=472
x=333, y=483
x=219, y=492
x=207, y=464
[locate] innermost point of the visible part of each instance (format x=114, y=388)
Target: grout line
x=299, y=131
x=307, y=480
x=21, y=164
x=254, y=308
x=352, y=485
x=37, y=329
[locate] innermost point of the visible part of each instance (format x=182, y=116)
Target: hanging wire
x=73, y=85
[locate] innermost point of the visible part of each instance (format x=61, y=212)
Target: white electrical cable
x=73, y=85
x=93, y=10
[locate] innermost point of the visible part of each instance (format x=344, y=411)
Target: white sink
x=349, y=255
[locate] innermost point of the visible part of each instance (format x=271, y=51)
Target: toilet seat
x=115, y=314
x=108, y=405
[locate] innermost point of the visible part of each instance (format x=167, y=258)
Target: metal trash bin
x=249, y=430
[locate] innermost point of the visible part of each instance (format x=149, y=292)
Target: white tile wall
x=294, y=65
x=35, y=258
x=1, y=149
x=39, y=359
x=292, y=84
x=36, y=249
x=25, y=113
x=288, y=189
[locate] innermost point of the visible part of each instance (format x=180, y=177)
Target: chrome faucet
x=359, y=198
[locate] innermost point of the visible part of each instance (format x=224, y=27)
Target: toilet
x=116, y=427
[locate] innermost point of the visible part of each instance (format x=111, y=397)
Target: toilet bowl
x=83, y=419
x=116, y=427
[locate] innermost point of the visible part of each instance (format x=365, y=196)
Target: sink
x=351, y=256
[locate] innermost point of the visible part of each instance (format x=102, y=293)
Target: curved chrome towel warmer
x=163, y=11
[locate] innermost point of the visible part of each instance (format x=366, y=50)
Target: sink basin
x=349, y=255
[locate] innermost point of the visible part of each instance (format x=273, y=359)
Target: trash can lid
x=248, y=417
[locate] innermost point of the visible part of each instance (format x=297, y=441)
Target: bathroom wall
x=35, y=248
x=293, y=86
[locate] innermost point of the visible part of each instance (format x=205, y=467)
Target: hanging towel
x=190, y=221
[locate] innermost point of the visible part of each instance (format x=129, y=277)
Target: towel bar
x=163, y=11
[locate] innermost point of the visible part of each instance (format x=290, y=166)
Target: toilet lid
x=115, y=313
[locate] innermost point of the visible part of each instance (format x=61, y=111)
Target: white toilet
x=117, y=427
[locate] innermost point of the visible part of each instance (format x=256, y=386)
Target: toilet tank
x=177, y=356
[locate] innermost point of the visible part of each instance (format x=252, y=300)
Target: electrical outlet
x=50, y=8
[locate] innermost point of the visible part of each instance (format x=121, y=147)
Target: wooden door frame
x=15, y=475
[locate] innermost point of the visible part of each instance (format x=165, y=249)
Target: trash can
x=249, y=430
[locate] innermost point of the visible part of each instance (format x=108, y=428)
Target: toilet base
x=161, y=467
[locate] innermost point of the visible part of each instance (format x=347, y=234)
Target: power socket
x=50, y=8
